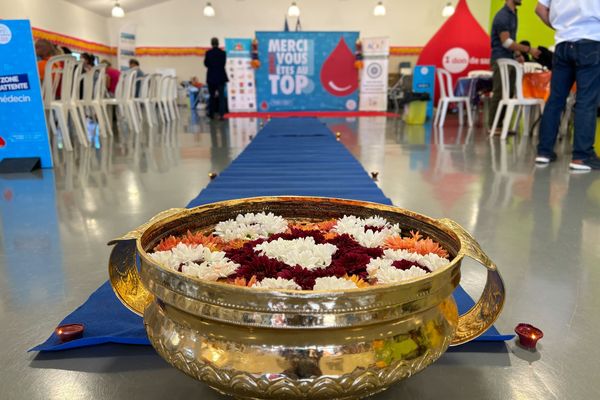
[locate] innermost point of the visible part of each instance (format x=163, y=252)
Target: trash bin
x=415, y=108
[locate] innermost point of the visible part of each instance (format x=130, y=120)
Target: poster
x=241, y=89
x=374, y=75
x=307, y=71
x=126, y=46
x=23, y=131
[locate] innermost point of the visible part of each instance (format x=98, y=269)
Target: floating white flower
x=377, y=263
x=390, y=274
x=358, y=228
x=279, y=283
x=196, y=260
x=302, y=251
x=431, y=260
x=251, y=226
x=333, y=283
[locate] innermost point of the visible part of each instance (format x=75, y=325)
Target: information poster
x=374, y=76
x=126, y=46
x=241, y=89
x=23, y=131
x=307, y=71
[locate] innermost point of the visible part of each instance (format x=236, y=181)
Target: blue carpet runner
x=288, y=157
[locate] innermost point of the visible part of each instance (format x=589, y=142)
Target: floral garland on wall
x=265, y=251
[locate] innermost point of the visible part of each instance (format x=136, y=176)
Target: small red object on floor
x=528, y=335
x=69, y=332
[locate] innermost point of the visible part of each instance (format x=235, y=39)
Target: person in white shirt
x=576, y=60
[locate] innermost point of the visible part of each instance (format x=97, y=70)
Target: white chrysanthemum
x=333, y=283
x=302, y=251
x=251, y=226
x=355, y=227
x=431, y=260
x=196, y=260
x=279, y=283
x=165, y=258
x=391, y=274
x=376, y=263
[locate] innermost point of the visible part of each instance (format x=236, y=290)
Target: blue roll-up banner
x=424, y=82
x=23, y=130
x=307, y=71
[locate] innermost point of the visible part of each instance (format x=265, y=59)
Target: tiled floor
x=540, y=225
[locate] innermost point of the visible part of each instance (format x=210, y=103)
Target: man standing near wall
x=504, y=45
x=576, y=60
x=216, y=78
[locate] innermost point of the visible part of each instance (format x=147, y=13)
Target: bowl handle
x=122, y=267
x=483, y=314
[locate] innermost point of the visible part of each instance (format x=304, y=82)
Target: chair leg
x=437, y=112
x=64, y=128
x=107, y=120
x=134, y=119
x=461, y=114
x=443, y=113
x=79, y=128
x=101, y=120
x=469, y=113
x=497, y=119
x=510, y=108
x=148, y=113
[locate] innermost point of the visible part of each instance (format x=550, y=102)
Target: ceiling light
x=117, y=11
x=209, y=10
x=448, y=10
x=294, y=10
x=379, y=10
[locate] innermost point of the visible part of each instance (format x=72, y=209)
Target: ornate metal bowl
x=265, y=344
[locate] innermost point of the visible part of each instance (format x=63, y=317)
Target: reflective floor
x=540, y=225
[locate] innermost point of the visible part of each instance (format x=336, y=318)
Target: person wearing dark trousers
x=576, y=60
x=504, y=45
x=216, y=78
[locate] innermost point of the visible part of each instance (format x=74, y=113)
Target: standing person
x=216, y=78
x=43, y=50
x=112, y=77
x=576, y=60
x=135, y=64
x=504, y=45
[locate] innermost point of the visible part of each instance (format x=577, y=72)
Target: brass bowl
x=267, y=344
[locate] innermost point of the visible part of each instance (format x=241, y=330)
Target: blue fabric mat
x=288, y=157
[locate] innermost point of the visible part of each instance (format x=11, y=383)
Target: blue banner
x=238, y=48
x=424, y=82
x=307, y=71
x=23, y=130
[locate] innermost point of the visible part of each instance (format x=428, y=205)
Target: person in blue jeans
x=576, y=60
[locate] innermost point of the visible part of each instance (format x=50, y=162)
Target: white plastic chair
x=164, y=88
x=124, y=99
x=447, y=97
x=518, y=101
x=479, y=73
x=60, y=73
x=154, y=93
x=144, y=99
x=531, y=67
x=173, y=98
x=94, y=88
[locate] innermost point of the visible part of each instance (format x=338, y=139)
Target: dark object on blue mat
x=375, y=175
x=19, y=165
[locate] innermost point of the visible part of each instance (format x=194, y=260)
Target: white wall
x=58, y=16
x=181, y=22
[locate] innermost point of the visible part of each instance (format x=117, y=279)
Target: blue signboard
x=424, y=82
x=23, y=130
x=307, y=71
x=238, y=48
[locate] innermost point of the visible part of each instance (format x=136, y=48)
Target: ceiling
x=103, y=7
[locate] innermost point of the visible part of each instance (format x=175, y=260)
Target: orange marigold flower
x=415, y=244
x=326, y=225
x=167, y=243
x=357, y=280
x=214, y=243
x=426, y=246
x=330, y=235
x=234, y=244
x=241, y=281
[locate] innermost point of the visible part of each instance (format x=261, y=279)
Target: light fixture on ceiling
x=448, y=10
x=209, y=10
x=117, y=11
x=294, y=10
x=379, y=10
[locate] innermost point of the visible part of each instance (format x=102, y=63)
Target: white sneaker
x=542, y=160
x=578, y=166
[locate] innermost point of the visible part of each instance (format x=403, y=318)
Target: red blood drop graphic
x=2, y=142
x=338, y=75
x=461, y=45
